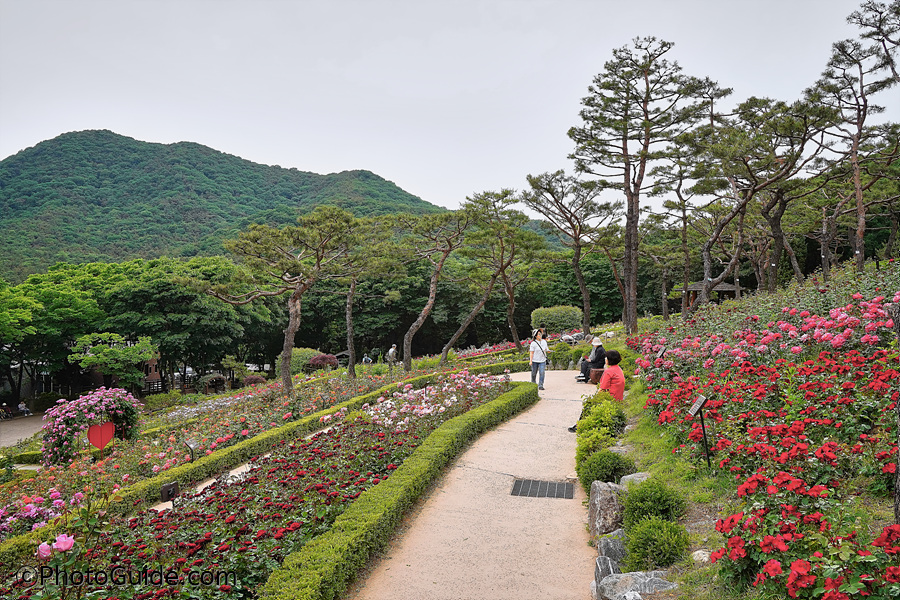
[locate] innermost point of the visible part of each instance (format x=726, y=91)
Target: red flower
x=773, y=567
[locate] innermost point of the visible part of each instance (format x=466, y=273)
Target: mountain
x=92, y=196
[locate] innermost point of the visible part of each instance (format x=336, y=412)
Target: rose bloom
x=63, y=542
x=44, y=550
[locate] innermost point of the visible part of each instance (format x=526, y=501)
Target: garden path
x=20, y=428
x=471, y=539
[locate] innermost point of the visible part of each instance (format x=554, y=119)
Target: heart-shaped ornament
x=100, y=435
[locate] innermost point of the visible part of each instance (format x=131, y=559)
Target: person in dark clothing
x=595, y=360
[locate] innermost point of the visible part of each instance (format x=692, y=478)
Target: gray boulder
x=634, y=478
x=604, y=508
x=605, y=567
x=612, y=546
x=616, y=586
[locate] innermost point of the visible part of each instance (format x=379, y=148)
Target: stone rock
x=632, y=595
x=614, y=587
x=604, y=508
x=605, y=567
x=623, y=449
x=701, y=556
x=613, y=546
x=630, y=427
x=634, y=478
x=594, y=593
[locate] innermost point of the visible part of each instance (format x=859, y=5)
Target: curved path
x=20, y=428
x=470, y=539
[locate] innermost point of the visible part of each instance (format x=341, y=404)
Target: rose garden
x=801, y=417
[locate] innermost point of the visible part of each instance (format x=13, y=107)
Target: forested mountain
x=98, y=196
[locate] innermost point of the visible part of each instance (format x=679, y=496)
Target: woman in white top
x=537, y=353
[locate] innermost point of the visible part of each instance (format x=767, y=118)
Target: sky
x=444, y=98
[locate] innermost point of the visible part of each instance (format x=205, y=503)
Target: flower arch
x=68, y=420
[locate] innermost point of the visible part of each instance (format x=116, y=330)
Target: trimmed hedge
x=325, y=566
x=15, y=549
x=557, y=318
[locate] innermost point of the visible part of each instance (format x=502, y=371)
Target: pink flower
x=63, y=543
x=44, y=550
x=245, y=431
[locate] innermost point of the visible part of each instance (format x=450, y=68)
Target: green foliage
x=604, y=465
x=557, y=318
x=98, y=196
x=559, y=354
x=238, y=367
x=300, y=357
x=591, y=441
x=578, y=351
x=652, y=498
x=155, y=402
x=603, y=410
x=655, y=542
x=111, y=355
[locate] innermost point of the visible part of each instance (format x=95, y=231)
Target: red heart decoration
x=100, y=435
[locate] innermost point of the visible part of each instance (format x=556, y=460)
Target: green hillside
x=98, y=196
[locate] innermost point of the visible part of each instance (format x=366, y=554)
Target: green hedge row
x=19, y=548
x=325, y=566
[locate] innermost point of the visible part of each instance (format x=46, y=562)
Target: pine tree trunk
x=289, y=333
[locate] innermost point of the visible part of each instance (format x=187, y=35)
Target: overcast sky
x=445, y=99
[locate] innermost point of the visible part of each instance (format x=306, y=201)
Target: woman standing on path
x=537, y=353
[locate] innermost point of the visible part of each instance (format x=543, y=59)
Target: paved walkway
x=470, y=539
x=20, y=428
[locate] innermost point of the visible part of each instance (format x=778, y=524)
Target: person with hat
x=595, y=360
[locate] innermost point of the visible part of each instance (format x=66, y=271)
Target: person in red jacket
x=613, y=379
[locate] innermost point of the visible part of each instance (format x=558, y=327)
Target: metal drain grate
x=543, y=489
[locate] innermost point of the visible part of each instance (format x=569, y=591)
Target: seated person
x=595, y=360
x=24, y=409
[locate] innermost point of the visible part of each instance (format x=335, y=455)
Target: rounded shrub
x=652, y=498
x=557, y=318
x=604, y=465
x=655, y=542
x=299, y=359
x=322, y=361
x=602, y=410
x=253, y=380
x=590, y=441
x=559, y=354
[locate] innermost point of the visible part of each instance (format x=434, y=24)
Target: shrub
x=45, y=401
x=322, y=361
x=253, y=380
x=590, y=441
x=299, y=358
x=602, y=410
x=604, y=465
x=655, y=542
x=578, y=351
x=557, y=318
x=559, y=354
x=652, y=498
x=155, y=402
